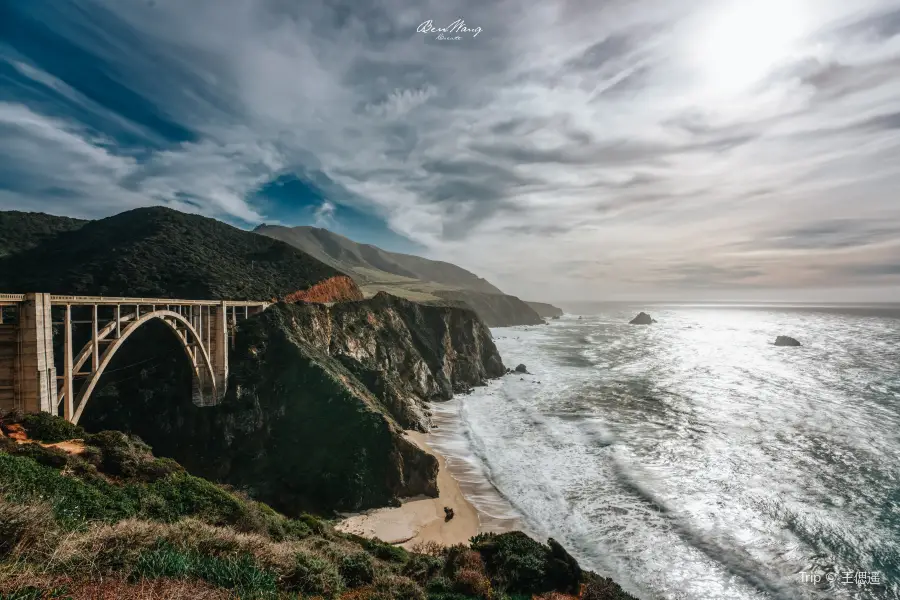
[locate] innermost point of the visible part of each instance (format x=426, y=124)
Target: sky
x=564, y=150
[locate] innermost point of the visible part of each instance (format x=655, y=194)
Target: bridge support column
x=35, y=373
x=218, y=346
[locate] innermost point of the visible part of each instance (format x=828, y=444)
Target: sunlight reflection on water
x=695, y=459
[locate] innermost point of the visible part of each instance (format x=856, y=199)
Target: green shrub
x=357, y=569
x=121, y=455
x=563, y=571
x=47, y=428
x=399, y=588
x=314, y=524
x=315, y=576
x=514, y=561
x=421, y=567
x=49, y=457
x=470, y=582
x=439, y=585
x=385, y=551
x=158, y=468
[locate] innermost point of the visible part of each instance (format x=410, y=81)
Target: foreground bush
x=44, y=427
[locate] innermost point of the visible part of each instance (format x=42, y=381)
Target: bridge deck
x=10, y=299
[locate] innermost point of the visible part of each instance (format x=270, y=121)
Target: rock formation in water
x=783, y=340
x=642, y=319
x=521, y=369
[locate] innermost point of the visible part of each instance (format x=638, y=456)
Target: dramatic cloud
x=570, y=150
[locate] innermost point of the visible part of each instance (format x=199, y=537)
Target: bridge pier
x=27, y=372
x=218, y=346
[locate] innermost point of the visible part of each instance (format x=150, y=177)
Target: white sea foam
x=693, y=459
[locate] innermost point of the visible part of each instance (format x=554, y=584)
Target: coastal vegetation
x=24, y=230
x=106, y=518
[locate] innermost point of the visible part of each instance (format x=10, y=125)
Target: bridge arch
x=203, y=373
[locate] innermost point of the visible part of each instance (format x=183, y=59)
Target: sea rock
x=521, y=369
x=642, y=319
x=783, y=340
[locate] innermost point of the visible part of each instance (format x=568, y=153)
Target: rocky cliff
x=497, y=310
x=317, y=399
x=334, y=289
x=545, y=310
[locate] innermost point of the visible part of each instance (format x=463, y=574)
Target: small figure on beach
x=448, y=513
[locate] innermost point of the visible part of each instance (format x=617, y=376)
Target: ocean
x=693, y=459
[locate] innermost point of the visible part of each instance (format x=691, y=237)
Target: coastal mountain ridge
x=372, y=265
x=413, y=277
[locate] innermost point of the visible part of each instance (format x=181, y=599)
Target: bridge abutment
x=27, y=370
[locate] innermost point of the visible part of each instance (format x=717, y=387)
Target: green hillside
x=24, y=230
x=160, y=252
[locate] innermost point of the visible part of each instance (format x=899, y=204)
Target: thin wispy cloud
x=573, y=149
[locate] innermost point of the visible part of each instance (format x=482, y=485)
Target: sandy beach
x=421, y=519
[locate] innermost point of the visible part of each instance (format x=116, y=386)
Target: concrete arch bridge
x=89, y=330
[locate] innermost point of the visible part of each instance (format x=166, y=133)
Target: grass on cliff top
x=115, y=521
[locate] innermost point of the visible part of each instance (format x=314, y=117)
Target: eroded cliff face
x=405, y=353
x=317, y=400
x=334, y=289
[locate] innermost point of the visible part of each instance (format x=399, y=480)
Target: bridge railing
x=56, y=299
